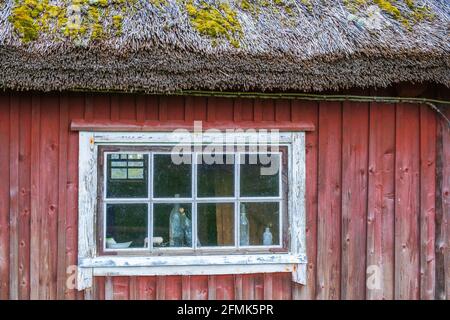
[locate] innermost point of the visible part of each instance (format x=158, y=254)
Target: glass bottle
x=243, y=227
x=267, y=237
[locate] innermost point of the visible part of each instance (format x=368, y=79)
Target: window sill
x=191, y=265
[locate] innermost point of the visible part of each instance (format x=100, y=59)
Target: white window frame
x=90, y=264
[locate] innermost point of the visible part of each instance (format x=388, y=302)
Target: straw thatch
x=171, y=45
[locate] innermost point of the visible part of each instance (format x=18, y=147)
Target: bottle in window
x=267, y=237
x=176, y=233
x=243, y=227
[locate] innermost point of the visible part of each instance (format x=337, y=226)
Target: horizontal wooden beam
x=157, y=126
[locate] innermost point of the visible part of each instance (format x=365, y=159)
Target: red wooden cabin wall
x=371, y=198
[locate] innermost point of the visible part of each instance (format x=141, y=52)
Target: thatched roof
x=171, y=45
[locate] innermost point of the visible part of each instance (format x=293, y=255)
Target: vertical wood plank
x=99, y=288
x=62, y=199
x=4, y=195
x=268, y=110
x=101, y=109
x=160, y=288
x=212, y=288
x=49, y=145
x=268, y=289
x=76, y=111
x=283, y=110
x=248, y=287
x=146, y=288
x=259, y=286
x=258, y=110
x=35, y=233
x=186, y=287
x=238, y=290
x=175, y=108
x=132, y=288
x=225, y=287
x=308, y=111
x=354, y=199
x=427, y=202
x=14, y=140
x=140, y=108
x=121, y=288
x=173, y=288
x=115, y=107
x=381, y=186
x=199, y=287
x=24, y=198
x=151, y=108
x=329, y=201
x=200, y=108
x=162, y=105
x=277, y=286
x=127, y=107
x=442, y=220
x=407, y=203
x=109, y=288
x=247, y=112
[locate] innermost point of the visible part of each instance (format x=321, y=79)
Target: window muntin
x=217, y=206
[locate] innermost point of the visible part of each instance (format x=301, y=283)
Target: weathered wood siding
x=378, y=183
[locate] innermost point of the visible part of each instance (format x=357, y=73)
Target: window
x=145, y=210
x=230, y=202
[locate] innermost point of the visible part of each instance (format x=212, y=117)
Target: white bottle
x=267, y=237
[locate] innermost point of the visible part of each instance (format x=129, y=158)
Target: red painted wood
x=248, y=287
x=62, y=199
x=155, y=126
x=355, y=137
x=329, y=201
x=309, y=112
x=225, y=287
x=14, y=145
x=47, y=157
x=146, y=288
x=380, y=220
x=35, y=232
x=268, y=110
x=24, y=198
x=407, y=231
x=76, y=110
x=121, y=288
x=151, y=108
x=199, y=287
x=175, y=108
x=247, y=109
x=4, y=195
x=49, y=150
x=173, y=288
x=427, y=202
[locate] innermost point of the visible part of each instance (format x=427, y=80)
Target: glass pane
x=127, y=176
x=215, y=176
x=172, y=225
x=215, y=224
x=126, y=226
x=171, y=179
x=259, y=224
x=260, y=175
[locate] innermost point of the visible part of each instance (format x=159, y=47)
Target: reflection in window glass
x=259, y=224
x=171, y=179
x=216, y=179
x=259, y=179
x=126, y=226
x=172, y=225
x=215, y=224
x=127, y=176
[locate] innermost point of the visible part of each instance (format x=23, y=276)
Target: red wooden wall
x=374, y=197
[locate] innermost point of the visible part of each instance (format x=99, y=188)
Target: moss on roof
x=96, y=19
